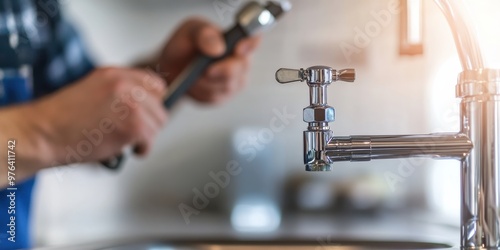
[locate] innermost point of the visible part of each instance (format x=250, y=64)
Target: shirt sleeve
x=61, y=57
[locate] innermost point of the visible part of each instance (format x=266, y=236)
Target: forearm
x=24, y=149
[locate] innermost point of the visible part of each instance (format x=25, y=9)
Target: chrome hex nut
x=319, y=114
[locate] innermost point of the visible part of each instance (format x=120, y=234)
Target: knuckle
x=232, y=69
x=135, y=111
x=118, y=86
x=124, y=135
x=155, y=82
x=225, y=70
x=136, y=128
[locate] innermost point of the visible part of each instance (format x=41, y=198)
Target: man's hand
x=88, y=121
x=223, y=78
x=127, y=101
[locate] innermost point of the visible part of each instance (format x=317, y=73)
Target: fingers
x=221, y=80
x=145, y=135
x=149, y=81
x=209, y=40
x=196, y=35
x=147, y=112
x=247, y=46
x=153, y=118
x=153, y=115
x=228, y=76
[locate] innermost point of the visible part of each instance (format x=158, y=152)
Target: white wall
x=391, y=96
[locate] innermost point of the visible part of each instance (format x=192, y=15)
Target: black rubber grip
x=114, y=163
x=187, y=78
x=191, y=73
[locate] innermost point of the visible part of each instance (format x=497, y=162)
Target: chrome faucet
x=476, y=145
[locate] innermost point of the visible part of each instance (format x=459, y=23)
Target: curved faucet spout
x=464, y=34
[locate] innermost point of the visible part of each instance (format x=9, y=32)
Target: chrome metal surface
x=316, y=75
x=365, y=148
x=463, y=33
x=319, y=114
x=294, y=245
x=480, y=121
x=284, y=5
x=290, y=75
x=315, y=143
x=318, y=95
x=477, y=144
x=255, y=17
x=345, y=75
x=481, y=82
x=320, y=75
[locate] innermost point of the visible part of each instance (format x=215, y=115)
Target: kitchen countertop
x=314, y=230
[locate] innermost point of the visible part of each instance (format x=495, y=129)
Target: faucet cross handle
x=317, y=75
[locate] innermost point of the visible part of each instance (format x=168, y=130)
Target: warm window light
x=414, y=31
x=411, y=26
x=443, y=187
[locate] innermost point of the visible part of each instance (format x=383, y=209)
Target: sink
x=298, y=231
x=336, y=244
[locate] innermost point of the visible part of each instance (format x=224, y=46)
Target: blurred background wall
x=393, y=94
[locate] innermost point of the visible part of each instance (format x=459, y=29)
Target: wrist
x=32, y=152
x=21, y=123
x=43, y=135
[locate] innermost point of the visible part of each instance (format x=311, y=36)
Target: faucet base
x=318, y=167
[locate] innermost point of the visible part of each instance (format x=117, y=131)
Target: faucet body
x=476, y=145
x=480, y=176
x=479, y=89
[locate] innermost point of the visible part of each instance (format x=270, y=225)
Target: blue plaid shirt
x=51, y=47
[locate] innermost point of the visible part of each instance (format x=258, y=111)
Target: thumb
x=209, y=41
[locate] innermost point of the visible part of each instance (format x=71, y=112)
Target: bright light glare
x=443, y=104
x=414, y=21
x=255, y=216
x=444, y=176
x=265, y=18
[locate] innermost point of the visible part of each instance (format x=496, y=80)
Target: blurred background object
x=255, y=139
x=411, y=27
